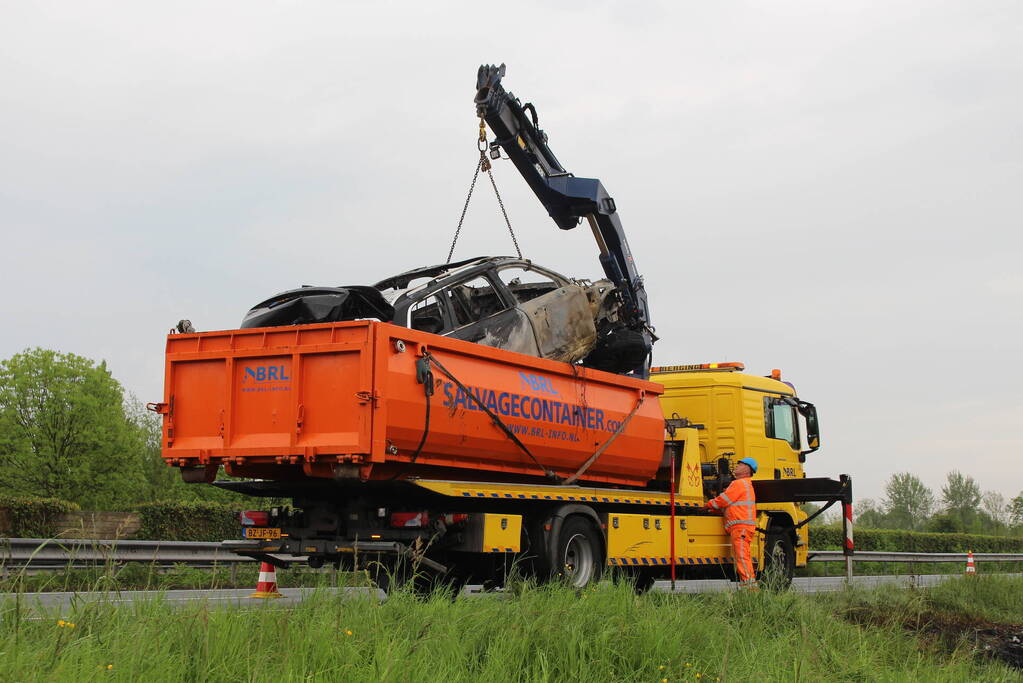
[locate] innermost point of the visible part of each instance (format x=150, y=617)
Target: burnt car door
x=478, y=312
x=558, y=310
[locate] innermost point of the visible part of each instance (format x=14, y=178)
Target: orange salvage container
x=345, y=399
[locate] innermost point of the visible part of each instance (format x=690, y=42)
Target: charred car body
x=503, y=302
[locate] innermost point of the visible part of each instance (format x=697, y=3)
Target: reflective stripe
x=741, y=503
x=739, y=521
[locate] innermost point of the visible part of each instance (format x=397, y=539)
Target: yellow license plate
x=262, y=533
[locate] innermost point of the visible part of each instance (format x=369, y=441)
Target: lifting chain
x=483, y=165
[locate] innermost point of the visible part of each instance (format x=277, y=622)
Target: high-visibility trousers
x=742, y=536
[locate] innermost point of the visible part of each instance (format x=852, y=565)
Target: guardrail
x=59, y=553
x=879, y=556
x=43, y=553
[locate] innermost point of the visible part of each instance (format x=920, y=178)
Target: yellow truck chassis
x=623, y=528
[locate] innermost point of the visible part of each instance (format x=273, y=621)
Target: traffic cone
x=971, y=568
x=266, y=587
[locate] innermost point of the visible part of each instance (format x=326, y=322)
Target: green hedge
x=189, y=521
x=32, y=517
x=894, y=540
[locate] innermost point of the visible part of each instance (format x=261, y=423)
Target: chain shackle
x=482, y=144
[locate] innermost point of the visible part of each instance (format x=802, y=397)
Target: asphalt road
x=240, y=597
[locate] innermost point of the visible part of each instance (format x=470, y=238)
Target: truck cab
x=743, y=415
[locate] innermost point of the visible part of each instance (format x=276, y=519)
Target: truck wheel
x=644, y=580
x=399, y=575
x=579, y=553
x=779, y=560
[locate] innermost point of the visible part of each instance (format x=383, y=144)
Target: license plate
x=264, y=533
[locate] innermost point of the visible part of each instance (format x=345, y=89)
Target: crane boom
x=569, y=199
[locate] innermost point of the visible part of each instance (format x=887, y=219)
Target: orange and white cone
x=971, y=568
x=266, y=587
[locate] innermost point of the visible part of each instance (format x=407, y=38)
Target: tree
x=946, y=523
x=908, y=502
x=997, y=509
x=869, y=516
x=161, y=481
x=63, y=431
x=1016, y=510
x=960, y=497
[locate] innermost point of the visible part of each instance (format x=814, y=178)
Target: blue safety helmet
x=751, y=462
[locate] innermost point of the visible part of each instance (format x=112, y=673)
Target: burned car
x=504, y=302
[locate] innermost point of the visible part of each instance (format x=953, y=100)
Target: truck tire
x=400, y=575
x=779, y=560
x=579, y=552
x=643, y=580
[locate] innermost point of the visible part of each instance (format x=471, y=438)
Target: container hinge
x=167, y=410
x=300, y=419
x=367, y=397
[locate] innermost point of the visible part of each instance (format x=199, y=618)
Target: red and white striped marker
x=971, y=568
x=847, y=527
x=849, y=547
x=266, y=587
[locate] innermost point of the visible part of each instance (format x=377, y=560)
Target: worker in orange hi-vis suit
x=740, y=512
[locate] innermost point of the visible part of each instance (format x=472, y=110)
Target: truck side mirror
x=813, y=432
x=724, y=473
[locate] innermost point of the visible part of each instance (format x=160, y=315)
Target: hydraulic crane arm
x=569, y=199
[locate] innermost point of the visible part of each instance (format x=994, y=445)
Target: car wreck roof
x=402, y=280
x=319, y=304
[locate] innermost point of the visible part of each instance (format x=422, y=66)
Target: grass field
x=606, y=633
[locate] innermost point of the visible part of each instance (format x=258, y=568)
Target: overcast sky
x=833, y=189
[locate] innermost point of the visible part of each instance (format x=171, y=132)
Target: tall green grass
x=141, y=576
x=903, y=568
x=994, y=598
x=606, y=633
